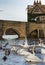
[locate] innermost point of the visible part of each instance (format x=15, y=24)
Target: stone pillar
x=27, y=29
x=1, y=29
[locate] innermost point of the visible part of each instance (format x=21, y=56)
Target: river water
x=14, y=59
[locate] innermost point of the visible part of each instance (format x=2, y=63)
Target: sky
x=15, y=9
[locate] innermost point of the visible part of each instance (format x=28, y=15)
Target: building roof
x=30, y=8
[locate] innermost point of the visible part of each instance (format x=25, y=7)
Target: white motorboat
x=9, y=36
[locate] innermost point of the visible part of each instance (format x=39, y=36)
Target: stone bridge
x=22, y=29
x=12, y=28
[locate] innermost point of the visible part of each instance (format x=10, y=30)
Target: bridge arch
x=11, y=31
x=37, y=33
x=34, y=34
